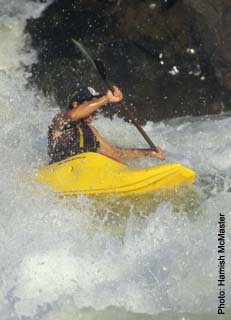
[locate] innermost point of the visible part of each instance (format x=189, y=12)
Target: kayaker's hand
x=160, y=154
x=115, y=96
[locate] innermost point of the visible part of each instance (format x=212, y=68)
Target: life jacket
x=77, y=137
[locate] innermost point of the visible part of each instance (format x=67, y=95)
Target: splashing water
x=66, y=258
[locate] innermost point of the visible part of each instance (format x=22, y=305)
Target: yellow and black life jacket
x=77, y=137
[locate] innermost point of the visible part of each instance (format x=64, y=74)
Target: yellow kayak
x=93, y=173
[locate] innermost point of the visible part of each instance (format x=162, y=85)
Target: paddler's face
x=89, y=118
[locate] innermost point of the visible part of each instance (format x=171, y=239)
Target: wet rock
x=158, y=52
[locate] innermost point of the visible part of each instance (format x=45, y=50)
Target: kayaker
x=70, y=132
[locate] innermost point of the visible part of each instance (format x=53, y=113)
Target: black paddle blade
x=96, y=63
x=84, y=53
x=101, y=68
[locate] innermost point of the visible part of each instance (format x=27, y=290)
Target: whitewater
x=86, y=258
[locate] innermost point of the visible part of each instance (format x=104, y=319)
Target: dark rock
x=146, y=47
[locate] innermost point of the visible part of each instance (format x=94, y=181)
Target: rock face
x=212, y=29
x=171, y=58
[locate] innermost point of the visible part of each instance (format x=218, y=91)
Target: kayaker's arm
x=86, y=108
x=138, y=153
x=120, y=153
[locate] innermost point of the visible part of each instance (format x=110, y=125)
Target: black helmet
x=82, y=94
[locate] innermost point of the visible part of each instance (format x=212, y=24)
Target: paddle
x=98, y=66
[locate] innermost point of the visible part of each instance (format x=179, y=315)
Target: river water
x=151, y=257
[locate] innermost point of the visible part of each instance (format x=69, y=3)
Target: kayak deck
x=93, y=173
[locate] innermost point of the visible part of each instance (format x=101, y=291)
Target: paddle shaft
x=102, y=73
x=133, y=119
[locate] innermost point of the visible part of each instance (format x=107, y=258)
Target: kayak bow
x=93, y=173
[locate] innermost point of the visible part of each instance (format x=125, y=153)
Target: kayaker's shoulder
x=60, y=120
x=59, y=115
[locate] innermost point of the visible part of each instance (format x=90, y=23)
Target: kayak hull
x=93, y=173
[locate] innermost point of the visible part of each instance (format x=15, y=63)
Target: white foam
x=56, y=251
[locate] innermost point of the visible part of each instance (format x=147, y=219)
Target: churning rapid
x=70, y=258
